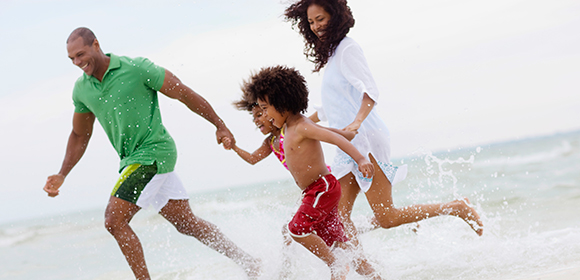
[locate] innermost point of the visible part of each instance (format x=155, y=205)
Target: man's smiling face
x=84, y=56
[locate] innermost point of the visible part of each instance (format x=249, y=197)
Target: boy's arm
x=258, y=155
x=174, y=88
x=316, y=132
x=348, y=134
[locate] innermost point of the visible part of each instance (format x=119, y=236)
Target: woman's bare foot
x=462, y=209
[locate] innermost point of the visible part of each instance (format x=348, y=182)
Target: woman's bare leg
x=381, y=201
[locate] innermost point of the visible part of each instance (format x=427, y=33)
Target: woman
x=349, y=95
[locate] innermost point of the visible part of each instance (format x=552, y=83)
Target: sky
x=452, y=74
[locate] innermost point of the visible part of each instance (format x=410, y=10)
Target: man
x=121, y=93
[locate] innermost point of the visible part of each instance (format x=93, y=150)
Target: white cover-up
x=346, y=78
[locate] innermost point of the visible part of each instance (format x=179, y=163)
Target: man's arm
x=174, y=88
x=76, y=147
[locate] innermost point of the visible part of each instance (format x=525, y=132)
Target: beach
x=526, y=192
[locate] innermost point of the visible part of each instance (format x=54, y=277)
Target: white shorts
x=160, y=190
x=141, y=185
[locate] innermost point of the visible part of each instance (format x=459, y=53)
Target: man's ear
x=96, y=44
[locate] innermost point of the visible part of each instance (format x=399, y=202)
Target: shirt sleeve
x=80, y=107
x=354, y=67
x=153, y=75
x=320, y=110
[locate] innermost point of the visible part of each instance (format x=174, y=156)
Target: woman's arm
x=314, y=117
x=365, y=109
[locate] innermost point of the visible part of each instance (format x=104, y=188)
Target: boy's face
x=272, y=114
x=261, y=121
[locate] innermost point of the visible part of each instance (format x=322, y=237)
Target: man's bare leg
x=178, y=213
x=117, y=217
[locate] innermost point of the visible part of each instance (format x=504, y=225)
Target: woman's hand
x=353, y=127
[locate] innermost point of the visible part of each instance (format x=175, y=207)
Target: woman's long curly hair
x=341, y=20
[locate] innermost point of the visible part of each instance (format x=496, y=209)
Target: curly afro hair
x=246, y=103
x=283, y=87
x=340, y=23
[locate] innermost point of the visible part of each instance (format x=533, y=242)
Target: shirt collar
x=114, y=63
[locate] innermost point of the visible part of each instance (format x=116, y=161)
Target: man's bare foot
x=462, y=209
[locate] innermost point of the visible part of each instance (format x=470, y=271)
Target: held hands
x=354, y=126
x=366, y=168
x=349, y=134
x=225, y=137
x=53, y=183
x=227, y=142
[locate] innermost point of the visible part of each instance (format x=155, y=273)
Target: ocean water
x=527, y=193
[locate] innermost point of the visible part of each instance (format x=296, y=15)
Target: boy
x=282, y=94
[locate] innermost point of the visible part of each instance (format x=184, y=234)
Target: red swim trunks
x=318, y=213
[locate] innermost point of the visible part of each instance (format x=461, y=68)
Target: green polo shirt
x=126, y=105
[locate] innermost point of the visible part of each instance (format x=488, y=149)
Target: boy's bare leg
x=350, y=190
x=316, y=245
x=285, y=273
x=381, y=201
x=178, y=212
x=117, y=217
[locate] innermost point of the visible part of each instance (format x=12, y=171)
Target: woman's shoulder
x=347, y=43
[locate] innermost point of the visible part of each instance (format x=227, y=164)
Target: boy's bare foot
x=339, y=271
x=253, y=269
x=363, y=268
x=462, y=209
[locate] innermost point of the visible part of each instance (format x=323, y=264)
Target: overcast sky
x=451, y=74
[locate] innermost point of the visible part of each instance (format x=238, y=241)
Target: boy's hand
x=349, y=134
x=366, y=168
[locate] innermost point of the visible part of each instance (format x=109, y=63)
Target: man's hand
x=227, y=142
x=224, y=136
x=53, y=183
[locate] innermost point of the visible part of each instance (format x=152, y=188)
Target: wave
x=564, y=149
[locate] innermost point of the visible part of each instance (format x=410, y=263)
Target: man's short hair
x=83, y=32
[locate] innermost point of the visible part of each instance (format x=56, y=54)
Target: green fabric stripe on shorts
x=133, y=180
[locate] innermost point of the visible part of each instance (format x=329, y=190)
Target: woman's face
x=318, y=19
